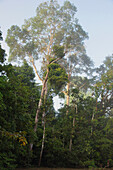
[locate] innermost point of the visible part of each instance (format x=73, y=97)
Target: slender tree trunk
x=93, y=115
x=45, y=97
x=40, y=101
x=39, y=105
x=67, y=94
x=67, y=98
x=43, y=124
x=42, y=92
x=43, y=141
x=72, y=132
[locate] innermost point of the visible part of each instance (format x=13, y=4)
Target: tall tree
x=54, y=33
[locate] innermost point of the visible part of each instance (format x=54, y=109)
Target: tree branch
x=32, y=61
x=64, y=92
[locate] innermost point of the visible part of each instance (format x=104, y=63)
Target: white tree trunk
x=43, y=124
x=39, y=105
x=43, y=141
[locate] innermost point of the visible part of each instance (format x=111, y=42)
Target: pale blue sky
x=95, y=16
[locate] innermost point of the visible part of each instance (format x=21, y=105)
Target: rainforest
x=47, y=58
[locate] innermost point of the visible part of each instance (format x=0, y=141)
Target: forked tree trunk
x=41, y=98
x=72, y=132
x=40, y=101
x=39, y=105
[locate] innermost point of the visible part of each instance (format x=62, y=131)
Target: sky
x=95, y=16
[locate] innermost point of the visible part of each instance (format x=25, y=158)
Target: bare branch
x=64, y=92
x=32, y=61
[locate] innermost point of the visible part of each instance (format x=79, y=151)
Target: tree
x=52, y=26
x=18, y=100
x=104, y=86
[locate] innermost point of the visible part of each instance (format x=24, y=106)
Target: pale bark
x=32, y=61
x=45, y=97
x=43, y=124
x=67, y=94
x=93, y=115
x=41, y=99
x=42, y=148
x=40, y=104
x=67, y=97
x=49, y=50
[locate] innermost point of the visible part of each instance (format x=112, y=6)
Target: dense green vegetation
x=32, y=133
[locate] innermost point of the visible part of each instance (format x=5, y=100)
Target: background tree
x=18, y=102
